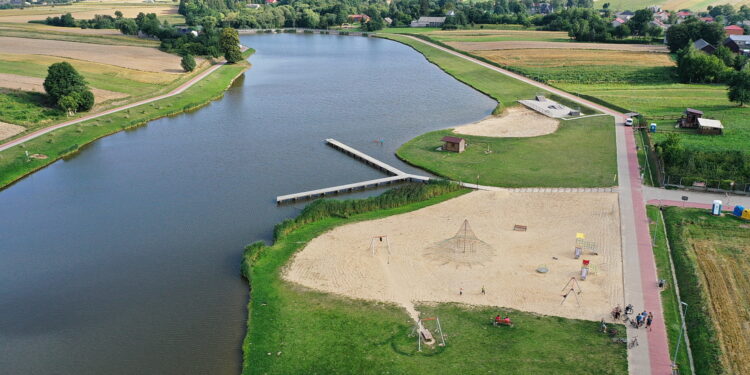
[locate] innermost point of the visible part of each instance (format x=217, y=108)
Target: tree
x=118, y=14
x=739, y=87
x=229, y=43
x=639, y=23
x=128, y=26
x=188, y=63
x=694, y=66
x=725, y=55
x=62, y=79
x=67, y=20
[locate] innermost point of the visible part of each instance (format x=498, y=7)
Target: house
x=253, y=6
x=707, y=126
x=655, y=9
x=428, y=22
x=454, y=144
x=541, y=8
x=271, y=1
x=626, y=15
x=690, y=118
x=684, y=14
x=388, y=20
x=738, y=44
x=361, y=18
x=706, y=19
x=704, y=46
x=661, y=16
x=734, y=30
x=618, y=22
x=657, y=23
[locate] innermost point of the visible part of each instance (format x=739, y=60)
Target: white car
x=629, y=121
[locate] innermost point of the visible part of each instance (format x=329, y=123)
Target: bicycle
x=633, y=343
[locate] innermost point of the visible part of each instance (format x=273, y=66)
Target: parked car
x=629, y=121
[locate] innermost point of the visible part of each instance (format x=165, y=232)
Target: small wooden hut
x=690, y=118
x=708, y=126
x=454, y=144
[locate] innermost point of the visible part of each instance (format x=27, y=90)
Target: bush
x=188, y=63
x=499, y=109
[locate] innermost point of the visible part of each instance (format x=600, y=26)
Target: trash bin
x=716, y=208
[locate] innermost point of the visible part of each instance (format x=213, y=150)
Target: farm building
x=738, y=43
x=704, y=46
x=707, y=126
x=734, y=30
x=626, y=15
x=454, y=144
x=428, y=22
x=690, y=118
x=361, y=18
x=618, y=22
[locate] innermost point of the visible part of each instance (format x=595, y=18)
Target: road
x=177, y=91
x=639, y=269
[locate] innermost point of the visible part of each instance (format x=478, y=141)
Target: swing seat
x=426, y=335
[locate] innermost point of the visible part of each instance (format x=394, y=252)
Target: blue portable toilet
x=738, y=211
x=652, y=128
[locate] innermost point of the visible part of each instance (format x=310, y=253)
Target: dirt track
x=340, y=260
x=517, y=121
x=9, y=130
x=478, y=46
x=138, y=58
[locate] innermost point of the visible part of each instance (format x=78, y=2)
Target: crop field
x=675, y=5
x=586, y=66
x=532, y=44
x=70, y=34
x=499, y=36
x=712, y=260
x=671, y=100
x=89, y=10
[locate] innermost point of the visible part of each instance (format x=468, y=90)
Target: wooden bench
x=519, y=228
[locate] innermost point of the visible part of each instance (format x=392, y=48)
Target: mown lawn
x=293, y=330
x=14, y=164
x=669, y=301
x=27, y=109
x=671, y=99
x=712, y=262
x=581, y=153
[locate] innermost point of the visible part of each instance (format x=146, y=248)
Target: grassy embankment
x=14, y=164
x=581, y=153
x=712, y=262
x=295, y=330
x=669, y=301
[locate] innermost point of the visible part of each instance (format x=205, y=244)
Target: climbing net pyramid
x=463, y=249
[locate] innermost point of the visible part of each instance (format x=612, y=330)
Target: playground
x=520, y=248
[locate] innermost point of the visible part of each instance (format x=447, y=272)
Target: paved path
x=652, y=355
x=699, y=197
x=46, y=130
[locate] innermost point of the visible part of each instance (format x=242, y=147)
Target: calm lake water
x=125, y=258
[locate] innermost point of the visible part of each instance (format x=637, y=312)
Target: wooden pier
x=396, y=176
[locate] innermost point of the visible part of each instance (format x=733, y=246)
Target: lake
x=124, y=259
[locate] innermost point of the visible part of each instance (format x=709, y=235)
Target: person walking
x=649, y=320
x=482, y=289
x=638, y=319
x=461, y=291
x=644, y=314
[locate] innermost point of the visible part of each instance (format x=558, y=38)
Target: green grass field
x=294, y=330
x=671, y=100
x=580, y=154
x=34, y=31
x=669, y=299
x=14, y=164
x=28, y=109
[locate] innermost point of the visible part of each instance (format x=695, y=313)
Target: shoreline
x=14, y=168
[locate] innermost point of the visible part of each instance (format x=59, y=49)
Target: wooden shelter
x=690, y=118
x=454, y=144
x=708, y=126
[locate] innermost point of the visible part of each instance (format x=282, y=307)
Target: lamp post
x=682, y=329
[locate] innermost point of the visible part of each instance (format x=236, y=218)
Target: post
x=679, y=339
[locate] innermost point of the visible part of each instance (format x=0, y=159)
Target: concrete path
x=652, y=355
x=177, y=91
x=699, y=197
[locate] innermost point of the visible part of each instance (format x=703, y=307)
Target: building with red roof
x=734, y=30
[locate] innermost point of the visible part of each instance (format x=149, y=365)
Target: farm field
x=675, y=5
x=523, y=44
x=671, y=100
x=87, y=10
x=71, y=34
x=306, y=331
x=499, y=36
x=579, y=66
x=712, y=261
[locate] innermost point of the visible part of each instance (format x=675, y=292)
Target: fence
x=709, y=185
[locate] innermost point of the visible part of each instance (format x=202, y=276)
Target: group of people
x=503, y=321
x=644, y=318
